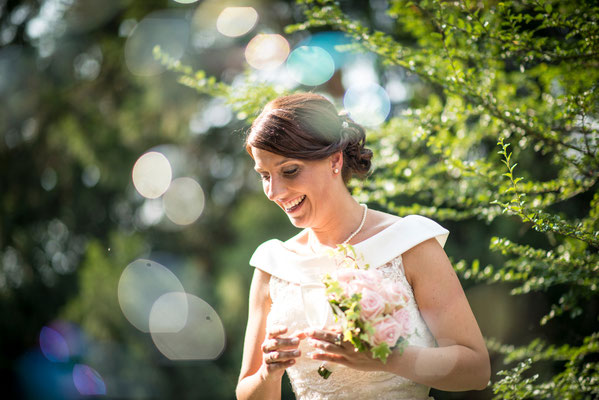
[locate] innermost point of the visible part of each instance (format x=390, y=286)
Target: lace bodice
x=381, y=251
x=344, y=383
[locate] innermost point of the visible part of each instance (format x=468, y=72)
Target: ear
x=336, y=160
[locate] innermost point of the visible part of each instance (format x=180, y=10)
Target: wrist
x=268, y=377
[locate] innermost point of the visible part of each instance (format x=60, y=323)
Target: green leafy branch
x=246, y=98
x=540, y=220
x=578, y=378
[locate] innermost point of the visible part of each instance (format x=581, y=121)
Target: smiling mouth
x=294, y=205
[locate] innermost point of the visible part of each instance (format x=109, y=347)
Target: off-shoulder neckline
x=355, y=245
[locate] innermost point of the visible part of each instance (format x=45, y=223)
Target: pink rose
x=387, y=330
x=394, y=294
x=346, y=275
x=402, y=317
x=372, y=304
x=369, y=279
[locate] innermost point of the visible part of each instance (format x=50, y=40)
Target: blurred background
x=119, y=187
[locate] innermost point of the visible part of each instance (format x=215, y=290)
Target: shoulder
x=425, y=260
x=376, y=222
x=266, y=255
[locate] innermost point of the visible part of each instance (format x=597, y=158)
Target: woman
x=305, y=153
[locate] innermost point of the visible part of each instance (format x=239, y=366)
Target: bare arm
x=266, y=355
x=461, y=362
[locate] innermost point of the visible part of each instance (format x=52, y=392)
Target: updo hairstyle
x=306, y=126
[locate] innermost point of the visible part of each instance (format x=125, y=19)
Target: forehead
x=266, y=159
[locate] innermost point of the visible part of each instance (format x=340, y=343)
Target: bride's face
x=304, y=189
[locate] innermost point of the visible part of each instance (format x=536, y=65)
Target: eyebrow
x=283, y=161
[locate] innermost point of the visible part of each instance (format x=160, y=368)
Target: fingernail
x=296, y=352
x=294, y=341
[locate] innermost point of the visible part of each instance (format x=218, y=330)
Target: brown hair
x=307, y=126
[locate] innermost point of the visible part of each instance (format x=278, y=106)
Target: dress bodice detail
x=345, y=383
x=288, y=269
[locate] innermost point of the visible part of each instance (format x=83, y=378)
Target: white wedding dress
x=382, y=251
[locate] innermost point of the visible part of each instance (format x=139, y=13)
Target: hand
x=331, y=347
x=279, y=352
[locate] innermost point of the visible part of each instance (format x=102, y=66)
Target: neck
x=343, y=219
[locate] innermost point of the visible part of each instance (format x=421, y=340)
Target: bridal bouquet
x=370, y=308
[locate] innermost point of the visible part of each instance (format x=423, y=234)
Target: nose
x=273, y=188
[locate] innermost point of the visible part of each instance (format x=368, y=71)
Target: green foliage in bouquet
x=346, y=309
x=355, y=331
x=484, y=76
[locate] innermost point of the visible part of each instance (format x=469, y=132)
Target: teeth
x=294, y=203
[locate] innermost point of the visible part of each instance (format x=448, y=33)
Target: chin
x=296, y=223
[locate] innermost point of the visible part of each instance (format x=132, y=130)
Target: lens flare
x=310, y=65
x=332, y=43
x=53, y=345
x=76, y=340
x=88, y=381
x=236, y=21
x=202, y=337
x=397, y=90
x=368, y=104
x=152, y=175
x=169, y=313
x=38, y=378
x=141, y=284
x=183, y=202
x=267, y=51
x=168, y=29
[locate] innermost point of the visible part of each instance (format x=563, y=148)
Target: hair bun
x=356, y=157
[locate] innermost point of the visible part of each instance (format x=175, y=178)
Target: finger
x=278, y=366
x=326, y=346
x=287, y=355
x=336, y=358
x=325, y=335
x=286, y=343
x=276, y=330
x=299, y=334
x=281, y=356
x=280, y=344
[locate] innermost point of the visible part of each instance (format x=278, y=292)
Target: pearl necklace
x=350, y=237
x=346, y=241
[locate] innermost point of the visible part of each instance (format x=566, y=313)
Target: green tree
x=501, y=136
x=73, y=120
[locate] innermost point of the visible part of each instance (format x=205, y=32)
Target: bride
x=305, y=154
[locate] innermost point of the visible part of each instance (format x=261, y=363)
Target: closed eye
x=291, y=172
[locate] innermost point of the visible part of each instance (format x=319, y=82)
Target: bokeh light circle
x=152, y=174
x=142, y=283
x=183, y=202
x=236, y=21
x=310, y=65
x=168, y=29
x=88, y=381
x=367, y=104
x=202, y=337
x=169, y=313
x=332, y=43
x=267, y=51
x=53, y=345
